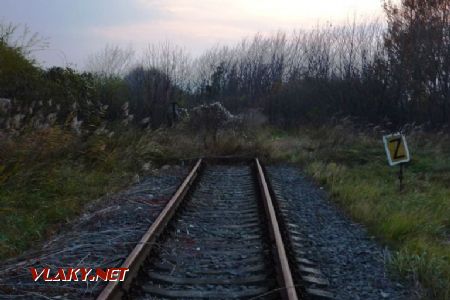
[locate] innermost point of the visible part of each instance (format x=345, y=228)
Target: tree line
x=392, y=72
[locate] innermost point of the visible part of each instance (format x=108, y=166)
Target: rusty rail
x=116, y=289
x=284, y=272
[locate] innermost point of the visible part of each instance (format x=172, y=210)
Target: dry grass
x=47, y=177
x=415, y=223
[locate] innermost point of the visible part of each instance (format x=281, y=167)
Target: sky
x=76, y=28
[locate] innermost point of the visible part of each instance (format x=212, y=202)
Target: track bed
x=216, y=246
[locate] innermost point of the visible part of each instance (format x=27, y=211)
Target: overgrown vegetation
x=49, y=175
x=67, y=137
x=392, y=74
x=415, y=223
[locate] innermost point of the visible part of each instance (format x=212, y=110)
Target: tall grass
x=351, y=164
x=47, y=176
x=415, y=222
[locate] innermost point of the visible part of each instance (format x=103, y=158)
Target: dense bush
x=19, y=77
x=393, y=75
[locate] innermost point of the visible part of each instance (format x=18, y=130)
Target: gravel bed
x=217, y=246
x=351, y=260
x=101, y=238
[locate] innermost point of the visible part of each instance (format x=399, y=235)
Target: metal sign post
x=397, y=152
x=400, y=177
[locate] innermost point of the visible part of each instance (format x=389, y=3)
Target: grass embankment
x=415, y=223
x=46, y=178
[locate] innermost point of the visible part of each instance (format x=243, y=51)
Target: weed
x=47, y=176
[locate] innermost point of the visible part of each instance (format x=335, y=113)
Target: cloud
x=80, y=27
x=208, y=21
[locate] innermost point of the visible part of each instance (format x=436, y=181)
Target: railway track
x=217, y=238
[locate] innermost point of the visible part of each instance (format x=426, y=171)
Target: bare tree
x=111, y=61
x=169, y=59
x=417, y=45
x=22, y=38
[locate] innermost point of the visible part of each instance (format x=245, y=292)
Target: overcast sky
x=76, y=28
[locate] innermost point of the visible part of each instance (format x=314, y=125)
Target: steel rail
x=116, y=289
x=285, y=276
